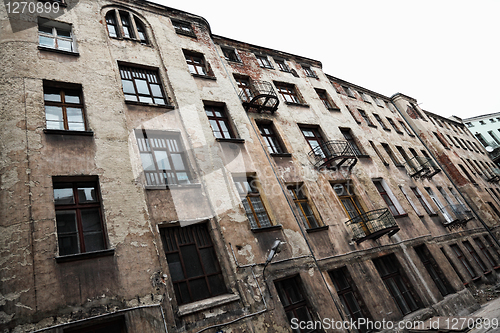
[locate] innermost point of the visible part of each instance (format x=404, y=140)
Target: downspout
x=449, y=177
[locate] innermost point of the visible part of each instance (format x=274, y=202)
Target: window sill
x=49, y=49
x=400, y=216
x=150, y=104
x=172, y=186
x=67, y=132
x=281, y=155
x=233, y=140
x=208, y=77
x=312, y=230
x=86, y=255
x=271, y=228
x=206, y=304
x=297, y=104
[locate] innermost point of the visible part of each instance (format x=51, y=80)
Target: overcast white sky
x=446, y=54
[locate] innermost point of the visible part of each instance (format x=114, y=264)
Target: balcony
x=493, y=175
x=333, y=155
x=456, y=216
x=422, y=167
x=373, y=225
x=259, y=96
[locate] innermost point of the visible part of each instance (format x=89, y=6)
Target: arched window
x=122, y=24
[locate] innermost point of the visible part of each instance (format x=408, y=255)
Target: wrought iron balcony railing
x=456, y=216
x=373, y=225
x=493, y=176
x=423, y=167
x=259, y=96
x=333, y=154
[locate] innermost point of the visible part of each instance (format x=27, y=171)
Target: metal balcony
x=456, y=216
x=493, y=175
x=332, y=155
x=259, y=96
x=422, y=167
x=373, y=225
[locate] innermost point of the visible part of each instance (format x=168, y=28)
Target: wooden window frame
x=391, y=155
x=183, y=275
x=347, y=133
x=183, y=28
x=221, y=121
x=463, y=260
x=364, y=115
x=388, y=197
x=126, y=25
x=268, y=133
x=289, y=93
x=250, y=197
x=301, y=201
x=197, y=64
x=62, y=89
x=423, y=202
x=435, y=272
x=468, y=246
x=76, y=183
x=325, y=98
x=230, y=54
x=263, y=61
x=493, y=262
x=131, y=77
x=381, y=122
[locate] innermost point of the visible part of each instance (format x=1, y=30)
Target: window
x=125, y=25
x=348, y=91
x=294, y=303
x=405, y=156
x=491, y=246
x=389, y=198
x=297, y=192
x=79, y=220
x=389, y=152
x=309, y=72
x=365, y=97
x=183, y=28
x=378, y=101
x=377, y=117
x=482, y=122
x=450, y=139
x=194, y=269
x=481, y=139
x=323, y=95
x=272, y=142
x=250, y=198
x=282, y=66
x=440, y=139
x=352, y=142
x=163, y=158
x=469, y=124
x=465, y=263
x=469, y=176
x=219, y=122
x=63, y=107
x=55, y=35
x=244, y=88
x=142, y=85
x=353, y=115
x=263, y=61
x=314, y=139
x=378, y=153
x=428, y=209
x=230, y=54
x=474, y=255
x=439, y=205
x=365, y=117
x=412, y=204
x=407, y=130
x=348, y=200
x=349, y=296
x=288, y=93
x=485, y=252
x=393, y=124
x=400, y=290
x=197, y=64
x=116, y=325
x=494, y=137
x=433, y=269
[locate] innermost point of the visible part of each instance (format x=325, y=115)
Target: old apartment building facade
x=156, y=177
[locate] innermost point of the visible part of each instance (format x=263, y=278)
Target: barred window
x=163, y=158
x=142, y=85
x=192, y=261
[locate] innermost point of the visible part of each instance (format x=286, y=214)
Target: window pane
x=46, y=41
x=142, y=86
x=209, y=261
x=76, y=126
x=86, y=193
x=128, y=87
x=63, y=33
x=52, y=96
x=64, y=44
x=217, y=284
x=175, y=266
x=144, y=99
x=45, y=28
x=66, y=221
x=131, y=98
x=156, y=90
x=75, y=115
x=147, y=161
x=177, y=161
x=53, y=113
x=162, y=160
x=199, y=289
x=63, y=196
x=191, y=261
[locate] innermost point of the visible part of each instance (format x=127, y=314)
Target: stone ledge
x=206, y=304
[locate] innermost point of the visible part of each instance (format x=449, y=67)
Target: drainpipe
x=449, y=177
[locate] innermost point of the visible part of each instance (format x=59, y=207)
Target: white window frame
x=55, y=26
